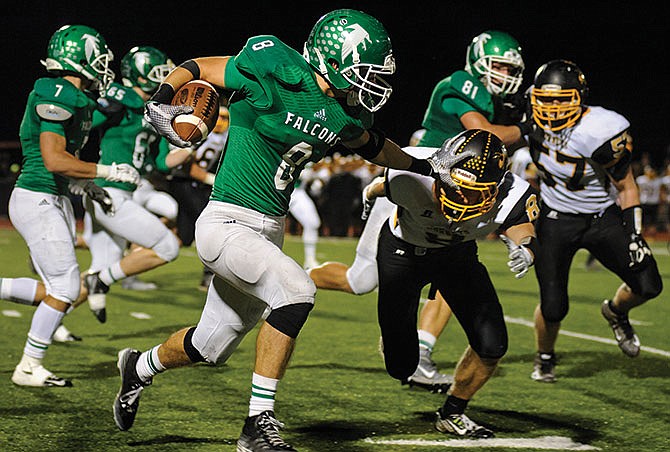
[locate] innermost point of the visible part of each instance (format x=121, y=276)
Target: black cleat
x=543, y=368
x=97, y=300
x=261, y=434
x=128, y=399
x=624, y=333
x=460, y=425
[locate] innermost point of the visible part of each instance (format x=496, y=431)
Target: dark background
x=621, y=46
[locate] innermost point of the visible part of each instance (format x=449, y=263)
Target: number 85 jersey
x=575, y=164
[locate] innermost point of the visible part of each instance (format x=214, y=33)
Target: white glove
x=122, y=172
x=160, y=116
x=520, y=257
x=367, y=204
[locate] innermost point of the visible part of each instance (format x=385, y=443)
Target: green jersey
x=279, y=121
x=54, y=105
x=126, y=136
x=451, y=98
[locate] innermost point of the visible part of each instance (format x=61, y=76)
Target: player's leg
x=474, y=301
x=303, y=209
x=26, y=291
x=361, y=277
x=560, y=241
x=131, y=223
x=433, y=318
x=49, y=232
x=609, y=242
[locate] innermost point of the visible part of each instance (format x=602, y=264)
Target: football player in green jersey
x=288, y=109
x=55, y=127
x=474, y=98
x=128, y=139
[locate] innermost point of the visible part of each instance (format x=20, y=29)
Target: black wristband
x=421, y=167
x=373, y=147
x=163, y=94
x=525, y=127
x=192, y=67
x=530, y=242
x=632, y=220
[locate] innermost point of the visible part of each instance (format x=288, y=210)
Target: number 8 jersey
x=279, y=121
x=574, y=163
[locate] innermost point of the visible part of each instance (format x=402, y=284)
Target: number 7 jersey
x=574, y=164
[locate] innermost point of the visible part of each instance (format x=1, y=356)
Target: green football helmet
x=486, y=52
x=145, y=67
x=352, y=50
x=81, y=50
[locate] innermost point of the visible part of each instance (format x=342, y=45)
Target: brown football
x=204, y=99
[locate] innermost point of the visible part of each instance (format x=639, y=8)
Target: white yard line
x=541, y=443
x=587, y=337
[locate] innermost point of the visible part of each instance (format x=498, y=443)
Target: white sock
x=45, y=321
x=310, y=237
x=112, y=274
x=426, y=340
x=148, y=364
x=263, y=390
x=18, y=290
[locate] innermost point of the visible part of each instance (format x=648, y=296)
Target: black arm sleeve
x=615, y=155
x=373, y=147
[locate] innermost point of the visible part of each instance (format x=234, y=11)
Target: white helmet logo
x=355, y=37
x=481, y=40
x=91, y=46
x=140, y=59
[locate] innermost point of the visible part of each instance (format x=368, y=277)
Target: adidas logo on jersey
x=399, y=252
x=44, y=202
x=321, y=114
x=553, y=215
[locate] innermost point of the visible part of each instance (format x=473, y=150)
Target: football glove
x=94, y=192
x=443, y=160
x=367, y=204
x=520, y=257
x=160, y=116
x=123, y=172
x=639, y=252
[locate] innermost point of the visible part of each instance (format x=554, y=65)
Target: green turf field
x=336, y=395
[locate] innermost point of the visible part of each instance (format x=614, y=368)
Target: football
x=204, y=99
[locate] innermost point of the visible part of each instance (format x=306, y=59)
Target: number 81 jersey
x=574, y=163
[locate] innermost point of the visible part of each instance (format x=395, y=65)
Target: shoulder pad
x=123, y=95
x=470, y=90
x=56, y=99
x=267, y=56
x=60, y=91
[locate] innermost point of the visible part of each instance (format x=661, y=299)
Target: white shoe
x=427, y=375
x=62, y=334
x=134, y=283
x=37, y=376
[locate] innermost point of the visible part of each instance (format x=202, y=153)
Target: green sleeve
x=163, y=151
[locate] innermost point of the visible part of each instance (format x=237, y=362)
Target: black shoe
x=128, y=399
x=624, y=333
x=97, y=300
x=543, y=368
x=261, y=434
